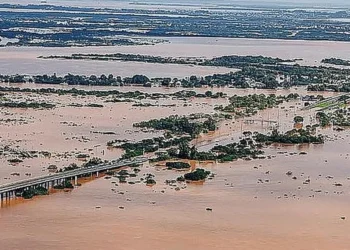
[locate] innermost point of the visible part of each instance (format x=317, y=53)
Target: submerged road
x=8, y=190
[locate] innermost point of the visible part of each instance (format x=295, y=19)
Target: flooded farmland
x=254, y=204
x=25, y=60
x=290, y=196
x=245, y=213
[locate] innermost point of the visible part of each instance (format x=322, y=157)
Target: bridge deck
x=331, y=99
x=10, y=187
x=259, y=120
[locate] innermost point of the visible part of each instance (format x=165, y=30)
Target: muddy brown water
x=245, y=214
x=24, y=60
x=255, y=205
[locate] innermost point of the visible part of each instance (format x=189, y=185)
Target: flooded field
x=25, y=60
x=67, y=131
x=114, y=4
x=73, y=128
x=197, y=4
x=296, y=198
x=253, y=204
x=246, y=214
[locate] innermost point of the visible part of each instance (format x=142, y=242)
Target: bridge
x=9, y=190
x=250, y=121
x=327, y=102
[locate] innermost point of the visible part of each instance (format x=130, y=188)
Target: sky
x=294, y=3
x=309, y=3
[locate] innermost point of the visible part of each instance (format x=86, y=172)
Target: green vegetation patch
x=177, y=165
x=31, y=192
x=197, y=175
x=295, y=136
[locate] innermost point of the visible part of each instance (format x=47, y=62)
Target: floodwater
x=21, y=60
x=67, y=131
x=310, y=5
x=245, y=214
x=255, y=205
x=25, y=60
x=112, y=4
x=127, y=4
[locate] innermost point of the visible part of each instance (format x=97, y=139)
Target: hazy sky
x=308, y=3
x=328, y=3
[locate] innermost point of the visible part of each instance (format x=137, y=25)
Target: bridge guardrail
x=81, y=171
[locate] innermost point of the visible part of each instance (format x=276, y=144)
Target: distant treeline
x=255, y=72
x=232, y=61
x=336, y=61
x=74, y=26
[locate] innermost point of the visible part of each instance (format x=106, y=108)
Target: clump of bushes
x=66, y=184
x=30, y=193
x=198, y=175
x=177, y=165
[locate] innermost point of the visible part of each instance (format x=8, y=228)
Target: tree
x=166, y=82
x=193, y=153
x=210, y=124
x=119, y=79
x=343, y=98
x=193, y=79
x=247, y=133
x=298, y=119
x=184, y=150
x=139, y=79
x=208, y=93
x=172, y=152
x=198, y=175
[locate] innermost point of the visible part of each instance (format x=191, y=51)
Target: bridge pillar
x=75, y=180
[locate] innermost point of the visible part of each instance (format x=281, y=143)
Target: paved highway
x=10, y=187
x=327, y=100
